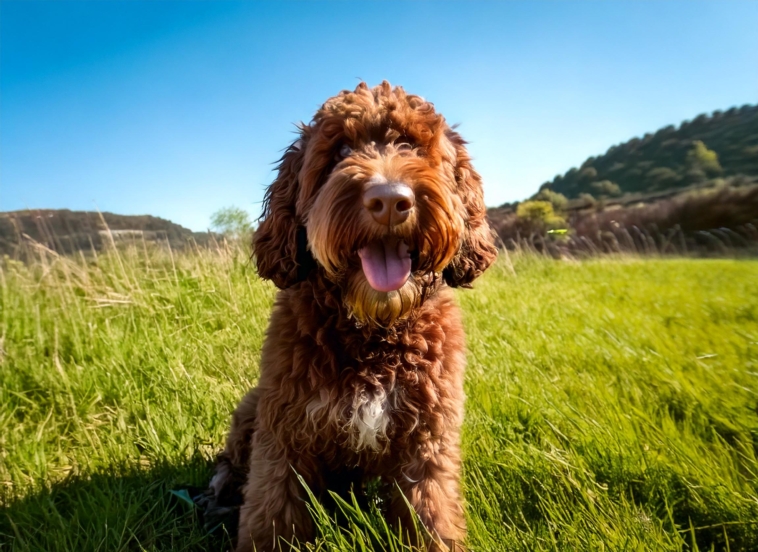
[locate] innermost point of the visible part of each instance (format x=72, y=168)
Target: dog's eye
x=345, y=151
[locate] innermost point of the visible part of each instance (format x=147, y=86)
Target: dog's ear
x=280, y=243
x=478, y=249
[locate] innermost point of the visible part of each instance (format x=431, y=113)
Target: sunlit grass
x=612, y=404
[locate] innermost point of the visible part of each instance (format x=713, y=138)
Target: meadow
x=612, y=403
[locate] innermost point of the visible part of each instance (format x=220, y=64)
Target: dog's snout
x=389, y=204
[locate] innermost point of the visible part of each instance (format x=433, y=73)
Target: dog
x=374, y=215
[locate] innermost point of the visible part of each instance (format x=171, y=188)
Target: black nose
x=389, y=204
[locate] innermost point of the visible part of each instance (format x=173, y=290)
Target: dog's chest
x=361, y=413
x=384, y=391
x=369, y=417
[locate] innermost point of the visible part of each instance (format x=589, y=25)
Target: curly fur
x=357, y=383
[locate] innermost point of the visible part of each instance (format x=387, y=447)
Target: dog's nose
x=389, y=204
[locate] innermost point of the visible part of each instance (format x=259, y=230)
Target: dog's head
x=378, y=192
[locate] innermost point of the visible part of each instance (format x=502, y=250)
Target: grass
x=612, y=404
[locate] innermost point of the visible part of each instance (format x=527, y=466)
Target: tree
x=700, y=157
x=232, y=222
x=662, y=178
x=606, y=188
x=695, y=176
x=557, y=200
x=588, y=174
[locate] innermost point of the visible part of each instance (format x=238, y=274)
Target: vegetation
x=719, y=220
x=692, y=189
x=722, y=144
x=612, y=403
x=233, y=223
x=67, y=231
x=539, y=212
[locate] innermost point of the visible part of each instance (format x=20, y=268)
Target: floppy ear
x=478, y=249
x=279, y=243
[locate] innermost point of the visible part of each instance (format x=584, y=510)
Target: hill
x=67, y=231
x=722, y=144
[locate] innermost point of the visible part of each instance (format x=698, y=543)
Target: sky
x=180, y=108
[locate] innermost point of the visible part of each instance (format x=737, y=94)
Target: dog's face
x=380, y=191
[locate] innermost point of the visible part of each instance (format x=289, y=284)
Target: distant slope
x=65, y=231
x=670, y=158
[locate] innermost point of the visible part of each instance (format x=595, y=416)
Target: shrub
x=539, y=216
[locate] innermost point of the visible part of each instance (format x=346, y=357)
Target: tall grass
x=612, y=404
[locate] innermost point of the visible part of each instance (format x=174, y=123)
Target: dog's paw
x=219, y=504
x=215, y=516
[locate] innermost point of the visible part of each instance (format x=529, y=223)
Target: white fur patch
x=365, y=420
x=371, y=416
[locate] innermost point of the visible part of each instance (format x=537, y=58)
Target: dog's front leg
x=275, y=501
x=430, y=482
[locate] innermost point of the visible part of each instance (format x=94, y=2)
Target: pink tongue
x=386, y=264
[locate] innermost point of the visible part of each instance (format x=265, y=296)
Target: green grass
x=612, y=404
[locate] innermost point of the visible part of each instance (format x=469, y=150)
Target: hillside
x=670, y=158
x=66, y=231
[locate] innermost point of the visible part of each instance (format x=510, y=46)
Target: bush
x=539, y=216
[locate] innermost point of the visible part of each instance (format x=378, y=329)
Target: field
x=612, y=404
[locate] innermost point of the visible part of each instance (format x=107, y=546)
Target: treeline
x=719, y=145
x=65, y=231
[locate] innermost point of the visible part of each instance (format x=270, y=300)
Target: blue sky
x=177, y=109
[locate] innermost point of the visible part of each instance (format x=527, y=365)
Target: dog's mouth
x=386, y=263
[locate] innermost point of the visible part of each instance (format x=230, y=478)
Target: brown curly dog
x=375, y=214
